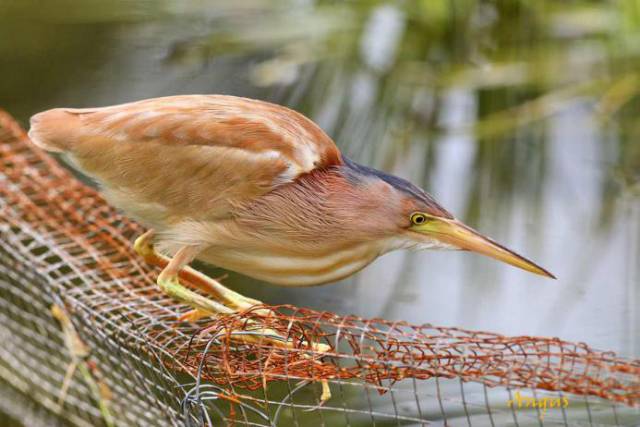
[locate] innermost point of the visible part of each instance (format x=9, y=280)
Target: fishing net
x=88, y=339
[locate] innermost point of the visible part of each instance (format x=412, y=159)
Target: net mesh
x=136, y=363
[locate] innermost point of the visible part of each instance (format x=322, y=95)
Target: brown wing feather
x=195, y=155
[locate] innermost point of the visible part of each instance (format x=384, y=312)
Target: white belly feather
x=301, y=270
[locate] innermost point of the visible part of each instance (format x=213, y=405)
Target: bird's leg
x=203, y=307
x=169, y=283
x=144, y=248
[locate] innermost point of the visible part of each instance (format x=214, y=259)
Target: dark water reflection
x=520, y=119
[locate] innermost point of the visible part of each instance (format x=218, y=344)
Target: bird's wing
x=190, y=149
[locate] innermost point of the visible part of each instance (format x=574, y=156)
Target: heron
x=252, y=187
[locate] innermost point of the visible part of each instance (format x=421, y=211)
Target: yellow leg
x=169, y=282
x=144, y=248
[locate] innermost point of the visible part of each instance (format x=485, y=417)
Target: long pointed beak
x=454, y=232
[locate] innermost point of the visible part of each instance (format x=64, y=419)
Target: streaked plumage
x=257, y=188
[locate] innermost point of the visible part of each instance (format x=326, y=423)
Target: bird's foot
x=193, y=316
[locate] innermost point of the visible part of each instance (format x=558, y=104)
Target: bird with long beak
x=251, y=187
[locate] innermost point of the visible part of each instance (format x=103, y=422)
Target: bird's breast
x=288, y=269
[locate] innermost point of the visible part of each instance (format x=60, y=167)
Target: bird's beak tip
x=536, y=269
x=548, y=274
x=456, y=233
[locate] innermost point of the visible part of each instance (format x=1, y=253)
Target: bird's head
x=420, y=222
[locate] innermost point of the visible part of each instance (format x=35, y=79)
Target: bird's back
x=191, y=156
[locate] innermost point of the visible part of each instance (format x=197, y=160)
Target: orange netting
x=60, y=239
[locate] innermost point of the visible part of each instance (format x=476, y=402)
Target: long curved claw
x=193, y=316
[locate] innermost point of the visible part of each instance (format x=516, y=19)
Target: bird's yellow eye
x=418, y=218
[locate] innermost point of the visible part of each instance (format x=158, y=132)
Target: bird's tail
x=52, y=130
